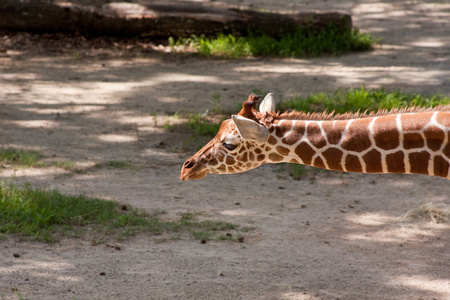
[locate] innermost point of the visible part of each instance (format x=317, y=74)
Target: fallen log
x=176, y=20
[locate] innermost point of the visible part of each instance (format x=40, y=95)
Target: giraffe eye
x=230, y=147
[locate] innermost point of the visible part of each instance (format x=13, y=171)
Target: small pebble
x=16, y=254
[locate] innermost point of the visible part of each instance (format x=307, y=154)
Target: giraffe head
x=237, y=147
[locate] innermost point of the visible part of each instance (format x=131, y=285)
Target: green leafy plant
x=302, y=43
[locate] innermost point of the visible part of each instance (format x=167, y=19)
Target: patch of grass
x=360, y=99
x=19, y=158
x=302, y=43
x=297, y=171
x=247, y=228
x=231, y=237
x=224, y=46
x=47, y=215
x=201, y=125
x=30, y=159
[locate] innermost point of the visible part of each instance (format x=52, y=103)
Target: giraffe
x=408, y=141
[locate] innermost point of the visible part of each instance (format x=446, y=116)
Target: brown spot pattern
x=334, y=133
x=230, y=160
x=282, y=150
x=435, y=137
x=243, y=157
x=318, y=162
x=413, y=141
x=305, y=152
x=260, y=157
x=251, y=156
x=281, y=130
x=419, y=162
x=357, y=138
x=446, y=149
x=352, y=164
x=333, y=156
x=296, y=134
x=315, y=136
x=272, y=140
x=440, y=166
x=275, y=157
x=214, y=162
x=386, y=134
x=222, y=168
x=395, y=162
x=372, y=159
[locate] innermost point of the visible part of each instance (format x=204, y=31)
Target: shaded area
x=180, y=19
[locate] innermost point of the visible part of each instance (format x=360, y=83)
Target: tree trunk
x=176, y=20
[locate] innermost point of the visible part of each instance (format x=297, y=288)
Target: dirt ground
x=335, y=237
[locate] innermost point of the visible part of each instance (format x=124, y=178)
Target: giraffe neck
x=397, y=143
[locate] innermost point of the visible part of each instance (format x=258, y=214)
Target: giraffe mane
x=323, y=116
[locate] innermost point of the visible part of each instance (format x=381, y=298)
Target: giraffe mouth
x=193, y=176
x=192, y=171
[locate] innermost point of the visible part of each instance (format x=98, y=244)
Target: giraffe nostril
x=188, y=164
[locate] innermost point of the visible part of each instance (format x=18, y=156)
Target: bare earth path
x=335, y=237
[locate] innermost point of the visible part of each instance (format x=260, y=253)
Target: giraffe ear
x=268, y=104
x=250, y=130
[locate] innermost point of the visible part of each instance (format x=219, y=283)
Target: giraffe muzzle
x=192, y=170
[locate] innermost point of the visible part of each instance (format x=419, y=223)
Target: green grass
x=17, y=157
x=360, y=99
x=199, y=124
x=297, y=171
x=302, y=43
x=48, y=215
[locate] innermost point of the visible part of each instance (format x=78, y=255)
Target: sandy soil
x=335, y=237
